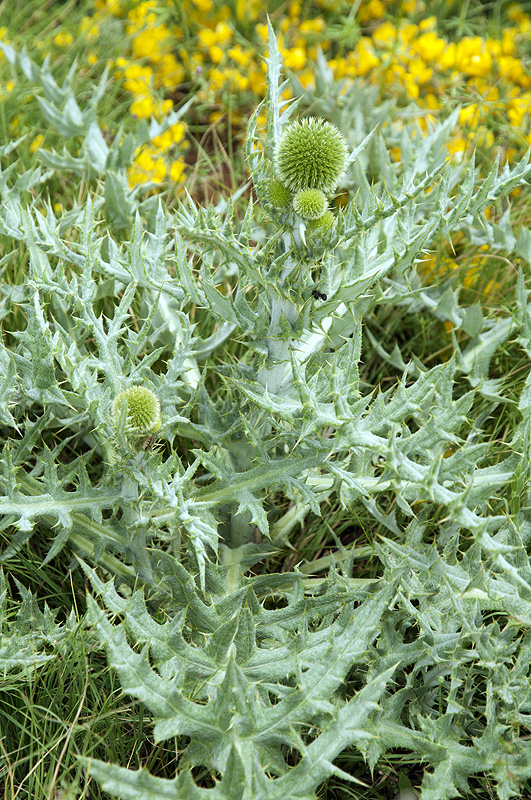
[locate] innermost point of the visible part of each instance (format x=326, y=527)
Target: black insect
x=319, y=295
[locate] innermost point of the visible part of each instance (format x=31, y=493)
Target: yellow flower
x=395, y=153
x=138, y=79
x=429, y=47
x=63, y=39
x=448, y=57
x=177, y=171
x=36, y=143
x=169, y=72
x=236, y=80
x=459, y=145
x=5, y=90
x=242, y=57
x=223, y=32
x=204, y=6
x=494, y=47
x=487, y=138
x=487, y=90
x=177, y=132
x=146, y=105
x=163, y=107
x=428, y=264
x=431, y=101
x=294, y=9
x=513, y=70
x=142, y=13
x=374, y=9
x=257, y=82
x=364, y=57
x=316, y=25
x=516, y=13
x=142, y=106
x=408, y=32
x=471, y=275
x=469, y=115
x=295, y=58
x=428, y=23
x=163, y=141
x=519, y=108
x=109, y=7
x=472, y=57
x=412, y=90
x=420, y=71
x=338, y=67
x=262, y=31
x=207, y=37
x=508, y=46
x=385, y=35
x=147, y=167
x=216, y=54
x=307, y=78
x=492, y=287
x=216, y=78
x=149, y=43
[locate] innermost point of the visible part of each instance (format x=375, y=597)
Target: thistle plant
x=310, y=203
x=249, y=375
x=279, y=195
x=310, y=154
x=141, y=408
x=309, y=160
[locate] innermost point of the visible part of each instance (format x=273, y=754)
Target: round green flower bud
x=323, y=224
x=310, y=154
x=142, y=407
x=278, y=195
x=310, y=203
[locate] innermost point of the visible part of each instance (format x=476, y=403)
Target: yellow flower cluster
x=216, y=52
x=409, y=60
x=151, y=70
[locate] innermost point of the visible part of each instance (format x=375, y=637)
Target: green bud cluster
x=279, y=195
x=309, y=161
x=142, y=408
x=323, y=224
x=310, y=203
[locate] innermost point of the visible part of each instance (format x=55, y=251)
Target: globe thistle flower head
x=310, y=154
x=321, y=225
x=310, y=203
x=142, y=407
x=278, y=195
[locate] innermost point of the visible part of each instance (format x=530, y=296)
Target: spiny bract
x=143, y=408
x=310, y=203
x=310, y=154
